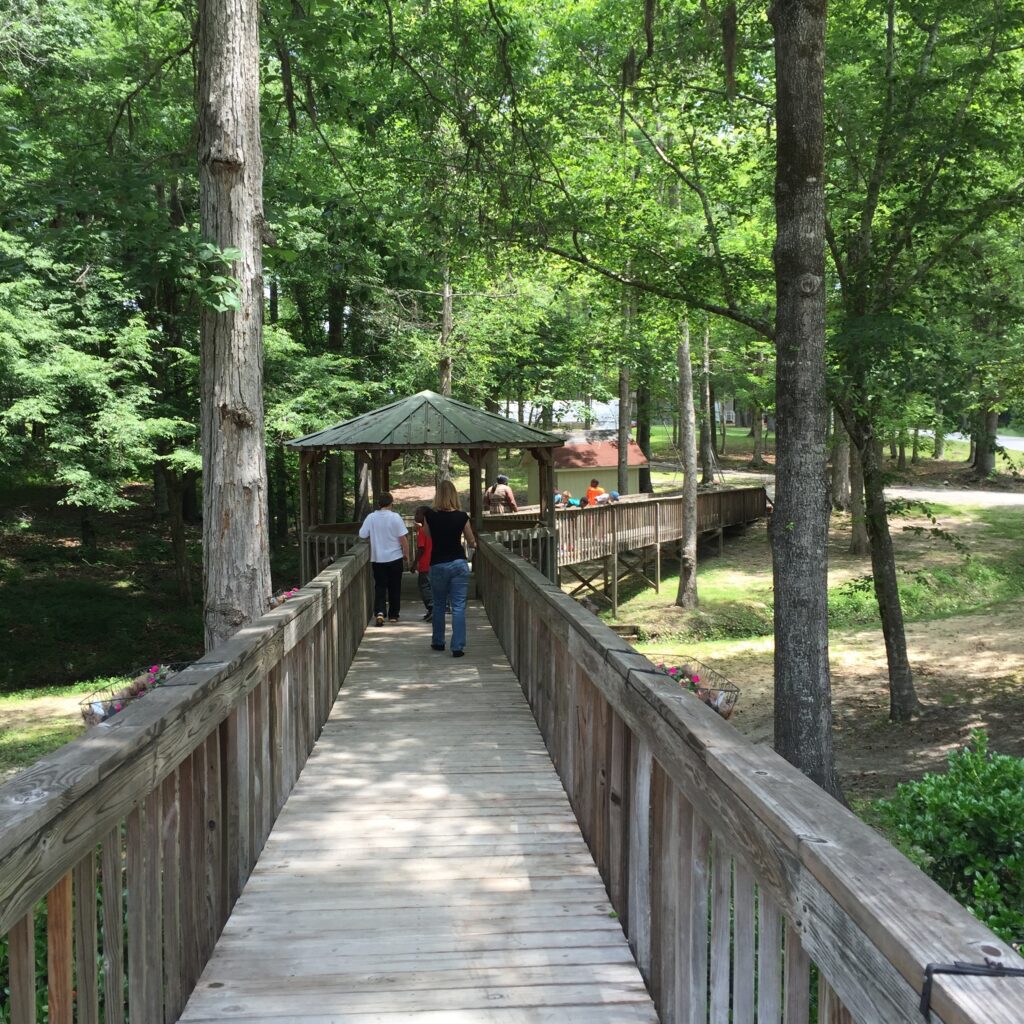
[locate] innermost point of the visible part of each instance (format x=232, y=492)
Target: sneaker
x=379, y=620
x=458, y=654
x=437, y=647
x=395, y=619
x=428, y=616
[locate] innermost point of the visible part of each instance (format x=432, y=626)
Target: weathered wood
x=429, y=847
x=87, y=994
x=810, y=855
x=21, y=951
x=743, y=945
x=171, y=907
x=798, y=979
x=769, y=959
x=152, y=908
x=59, y=954
x=721, y=905
x=639, y=931
x=697, y=940
x=112, y=873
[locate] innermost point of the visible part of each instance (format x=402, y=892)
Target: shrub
x=965, y=828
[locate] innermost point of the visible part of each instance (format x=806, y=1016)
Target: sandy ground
x=968, y=671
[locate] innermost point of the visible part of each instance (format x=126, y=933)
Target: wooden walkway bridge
x=243, y=846
x=613, y=541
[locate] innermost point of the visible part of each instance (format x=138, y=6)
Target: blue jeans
x=449, y=581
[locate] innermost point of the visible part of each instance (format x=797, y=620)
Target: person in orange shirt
x=421, y=564
x=593, y=491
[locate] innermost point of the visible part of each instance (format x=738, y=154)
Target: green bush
x=965, y=828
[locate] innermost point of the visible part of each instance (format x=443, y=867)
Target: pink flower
x=695, y=677
x=673, y=670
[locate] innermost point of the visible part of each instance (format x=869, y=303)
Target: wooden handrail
x=699, y=833
x=177, y=795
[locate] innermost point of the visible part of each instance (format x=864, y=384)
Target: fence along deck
x=170, y=802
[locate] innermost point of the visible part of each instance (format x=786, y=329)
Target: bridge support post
x=657, y=549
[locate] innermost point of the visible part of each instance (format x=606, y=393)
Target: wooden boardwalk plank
x=427, y=866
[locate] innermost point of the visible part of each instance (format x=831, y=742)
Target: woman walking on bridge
x=446, y=525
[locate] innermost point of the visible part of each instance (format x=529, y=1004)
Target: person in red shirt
x=421, y=565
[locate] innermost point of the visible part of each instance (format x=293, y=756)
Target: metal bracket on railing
x=989, y=969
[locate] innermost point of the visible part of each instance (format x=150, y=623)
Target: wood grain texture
x=112, y=872
x=59, y=952
x=22, y=953
x=818, y=863
x=86, y=981
x=427, y=864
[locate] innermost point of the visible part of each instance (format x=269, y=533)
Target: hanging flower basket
x=104, y=703
x=704, y=683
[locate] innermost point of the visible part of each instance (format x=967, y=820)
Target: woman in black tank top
x=446, y=525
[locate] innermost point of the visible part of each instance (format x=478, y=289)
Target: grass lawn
x=962, y=626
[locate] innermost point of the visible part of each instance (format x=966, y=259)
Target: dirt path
x=969, y=673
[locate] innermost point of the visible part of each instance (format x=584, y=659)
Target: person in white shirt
x=389, y=553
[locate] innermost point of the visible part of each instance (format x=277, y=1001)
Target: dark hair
x=595, y=482
x=384, y=499
x=419, y=515
x=502, y=479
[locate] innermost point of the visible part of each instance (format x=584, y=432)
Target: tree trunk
x=686, y=597
x=161, y=505
x=893, y=450
x=623, y=476
x=643, y=433
x=274, y=303
x=179, y=545
x=757, y=432
x=860, y=544
x=336, y=297
x=444, y=455
x=86, y=530
x=915, y=455
x=840, y=467
x=940, y=438
x=799, y=530
x=361, y=488
x=280, y=494
x=490, y=465
x=235, y=544
x=985, y=459
x=332, y=486
x=901, y=457
x=903, y=703
x=721, y=421
x=707, y=436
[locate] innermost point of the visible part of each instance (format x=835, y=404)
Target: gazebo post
x=314, y=489
x=362, y=491
x=474, y=459
x=304, y=459
x=546, y=483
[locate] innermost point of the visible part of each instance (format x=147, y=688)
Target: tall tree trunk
x=985, y=459
x=903, y=703
x=235, y=545
x=161, y=502
x=280, y=494
x=939, y=450
x=274, y=300
x=361, y=488
x=860, y=544
x=721, y=421
x=332, y=486
x=893, y=449
x=179, y=545
x=840, y=467
x=901, y=458
x=643, y=432
x=707, y=435
x=915, y=455
x=623, y=475
x=491, y=456
x=686, y=597
x=444, y=455
x=757, y=432
x=799, y=530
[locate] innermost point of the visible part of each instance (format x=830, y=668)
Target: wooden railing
x=598, y=531
x=321, y=545
x=149, y=825
x=746, y=892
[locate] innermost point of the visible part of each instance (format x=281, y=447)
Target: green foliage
x=965, y=828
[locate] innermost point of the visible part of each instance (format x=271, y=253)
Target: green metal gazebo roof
x=426, y=420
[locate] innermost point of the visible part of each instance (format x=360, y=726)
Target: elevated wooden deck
x=427, y=866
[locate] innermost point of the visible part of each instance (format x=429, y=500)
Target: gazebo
x=425, y=421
